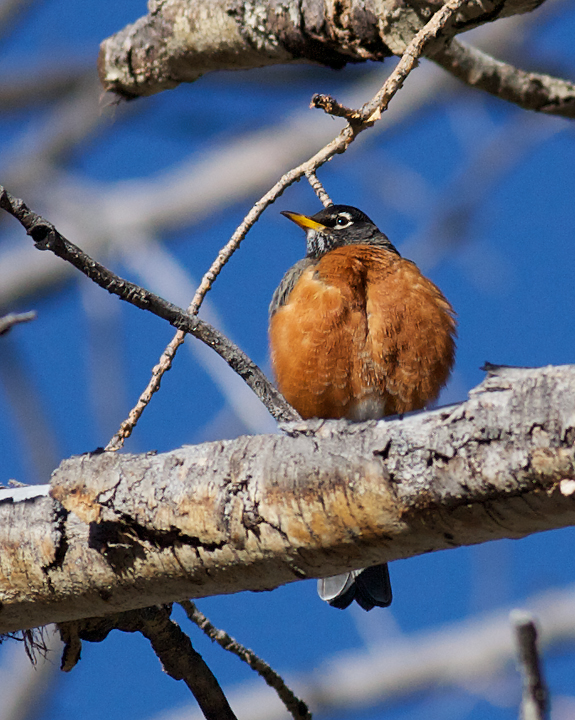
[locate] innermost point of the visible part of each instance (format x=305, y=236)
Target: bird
x=357, y=332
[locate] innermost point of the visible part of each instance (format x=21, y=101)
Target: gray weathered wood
x=126, y=531
x=181, y=40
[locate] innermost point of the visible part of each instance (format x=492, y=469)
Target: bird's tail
x=370, y=587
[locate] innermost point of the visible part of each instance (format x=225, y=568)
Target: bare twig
x=47, y=237
x=319, y=189
x=357, y=122
x=157, y=269
x=296, y=707
x=475, y=651
x=532, y=91
x=161, y=367
x=331, y=106
x=534, y=704
x=8, y=321
x=368, y=114
x=171, y=645
x=372, y=110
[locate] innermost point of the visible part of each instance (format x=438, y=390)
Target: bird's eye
x=343, y=220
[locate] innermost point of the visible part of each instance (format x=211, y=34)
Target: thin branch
x=296, y=707
x=475, y=651
x=47, y=237
x=162, y=366
x=531, y=91
x=172, y=647
x=318, y=189
x=369, y=113
x=157, y=269
x=7, y=322
x=372, y=110
x=331, y=106
x=534, y=705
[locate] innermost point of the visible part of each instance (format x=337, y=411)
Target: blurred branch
x=33, y=155
x=9, y=12
x=188, y=38
x=196, y=188
x=463, y=654
x=46, y=237
x=531, y=91
x=296, y=707
x=155, y=267
x=172, y=647
x=449, y=219
x=46, y=84
x=189, y=191
x=28, y=688
x=7, y=322
x=123, y=531
x=534, y=705
x=28, y=415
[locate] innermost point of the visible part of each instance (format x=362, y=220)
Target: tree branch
x=172, y=647
x=476, y=651
x=296, y=707
x=120, y=532
x=181, y=40
x=8, y=321
x=46, y=237
x=531, y=91
x=534, y=705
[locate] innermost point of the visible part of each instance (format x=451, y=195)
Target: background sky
x=478, y=192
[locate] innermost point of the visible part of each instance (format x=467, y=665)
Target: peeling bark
x=181, y=40
x=127, y=531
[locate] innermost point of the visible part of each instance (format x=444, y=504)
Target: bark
x=181, y=40
x=531, y=91
x=127, y=531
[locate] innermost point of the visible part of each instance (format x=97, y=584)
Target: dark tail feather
x=369, y=588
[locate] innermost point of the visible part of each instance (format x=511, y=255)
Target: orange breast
x=362, y=335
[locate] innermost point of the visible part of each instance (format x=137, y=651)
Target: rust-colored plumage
x=357, y=331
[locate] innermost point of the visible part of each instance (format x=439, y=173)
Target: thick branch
x=532, y=91
x=181, y=40
x=171, y=645
x=129, y=531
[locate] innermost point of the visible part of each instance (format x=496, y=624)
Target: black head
x=338, y=225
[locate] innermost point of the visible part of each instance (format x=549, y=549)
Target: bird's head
x=338, y=225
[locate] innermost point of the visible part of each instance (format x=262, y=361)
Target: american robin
x=356, y=331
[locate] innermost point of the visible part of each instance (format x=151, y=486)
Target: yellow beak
x=303, y=221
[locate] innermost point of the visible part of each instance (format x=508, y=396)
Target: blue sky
x=478, y=192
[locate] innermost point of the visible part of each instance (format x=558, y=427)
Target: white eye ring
x=343, y=216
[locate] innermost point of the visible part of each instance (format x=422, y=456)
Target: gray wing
x=283, y=290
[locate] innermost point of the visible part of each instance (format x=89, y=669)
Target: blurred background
x=478, y=192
